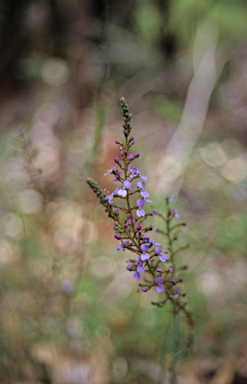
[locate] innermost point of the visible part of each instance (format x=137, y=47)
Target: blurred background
x=69, y=311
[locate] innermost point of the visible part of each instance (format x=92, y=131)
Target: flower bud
x=125, y=152
x=117, y=141
x=137, y=154
x=131, y=157
x=118, y=237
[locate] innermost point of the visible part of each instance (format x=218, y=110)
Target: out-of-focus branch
x=196, y=105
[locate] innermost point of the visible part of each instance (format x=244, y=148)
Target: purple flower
x=168, y=198
x=176, y=296
x=175, y=213
x=140, y=203
x=140, y=268
x=134, y=172
x=163, y=257
x=137, y=275
x=159, y=282
x=141, y=185
x=145, y=247
x=123, y=245
x=110, y=171
x=158, y=249
x=143, y=257
x=140, y=212
x=145, y=194
x=126, y=185
x=110, y=197
x=154, y=242
x=160, y=288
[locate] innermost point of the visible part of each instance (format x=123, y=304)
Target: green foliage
x=149, y=21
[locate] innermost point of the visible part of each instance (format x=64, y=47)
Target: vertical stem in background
x=100, y=107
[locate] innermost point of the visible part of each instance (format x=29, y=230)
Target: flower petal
x=122, y=192
x=144, y=194
x=140, y=203
x=141, y=184
x=163, y=257
x=160, y=288
x=143, y=257
x=137, y=275
x=126, y=184
x=140, y=212
x=110, y=171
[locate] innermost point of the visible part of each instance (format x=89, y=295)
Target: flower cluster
x=129, y=206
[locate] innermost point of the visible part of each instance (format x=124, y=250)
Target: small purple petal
x=141, y=184
x=176, y=296
x=140, y=212
x=143, y=257
x=155, y=242
x=137, y=275
x=140, y=203
x=158, y=249
x=109, y=198
x=144, y=194
x=160, y=288
x=126, y=184
x=163, y=257
x=143, y=177
x=134, y=169
x=158, y=281
x=145, y=247
x=110, y=171
x=122, y=192
x=140, y=268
